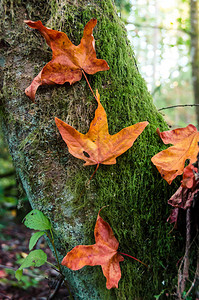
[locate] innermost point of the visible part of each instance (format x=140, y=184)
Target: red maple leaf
x=103, y=252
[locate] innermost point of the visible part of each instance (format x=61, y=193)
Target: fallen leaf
x=68, y=60
x=103, y=252
x=173, y=218
x=189, y=180
x=97, y=146
x=183, y=197
x=170, y=162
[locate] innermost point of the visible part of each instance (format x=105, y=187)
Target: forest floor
x=36, y=283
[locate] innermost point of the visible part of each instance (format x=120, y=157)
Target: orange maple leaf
x=68, y=60
x=97, y=145
x=170, y=162
x=103, y=252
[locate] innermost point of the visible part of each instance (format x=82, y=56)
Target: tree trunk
x=53, y=179
x=194, y=15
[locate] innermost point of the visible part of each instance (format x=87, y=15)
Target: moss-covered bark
x=53, y=179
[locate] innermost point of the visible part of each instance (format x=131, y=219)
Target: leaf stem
x=133, y=258
x=51, y=238
x=53, y=266
x=93, y=174
x=89, y=84
x=53, y=244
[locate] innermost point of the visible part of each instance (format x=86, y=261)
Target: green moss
x=137, y=211
x=56, y=182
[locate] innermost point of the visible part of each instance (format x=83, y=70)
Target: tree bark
x=53, y=179
x=194, y=15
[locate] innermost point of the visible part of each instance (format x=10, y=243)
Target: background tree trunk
x=53, y=179
x=194, y=17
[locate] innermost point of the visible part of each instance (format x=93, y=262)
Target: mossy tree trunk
x=53, y=179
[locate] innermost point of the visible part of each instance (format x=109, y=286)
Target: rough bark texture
x=53, y=179
x=194, y=16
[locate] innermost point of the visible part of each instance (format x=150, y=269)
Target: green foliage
x=25, y=282
x=12, y=195
x=123, y=8
x=8, y=188
x=34, y=238
x=37, y=221
x=35, y=258
x=126, y=4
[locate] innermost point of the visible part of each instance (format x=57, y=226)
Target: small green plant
x=36, y=258
x=26, y=281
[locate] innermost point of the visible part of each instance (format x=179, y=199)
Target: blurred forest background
x=164, y=37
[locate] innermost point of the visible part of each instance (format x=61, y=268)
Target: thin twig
x=179, y=105
x=51, y=238
x=190, y=289
x=5, y=296
x=179, y=279
x=58, y=285
x=180, y=267
x=196, y=277
x=185, y=274
x=89, y=84
x=158, y=27
x=5, y=267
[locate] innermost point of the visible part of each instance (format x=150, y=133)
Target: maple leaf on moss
x=68, y=60
x=170, y=162
x=103, y=252
x=97, y=146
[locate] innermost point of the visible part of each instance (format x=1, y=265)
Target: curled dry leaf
x=184, y=197
x=170, y=162
x=97, y=146
x=189, y=176
x=68, y=60
x=173, y=218
x=103, y=252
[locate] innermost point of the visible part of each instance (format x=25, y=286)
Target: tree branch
x=158, y=27
x=179, y=105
